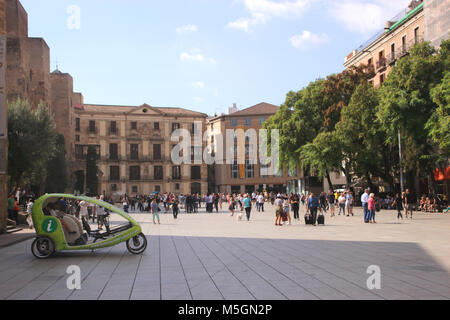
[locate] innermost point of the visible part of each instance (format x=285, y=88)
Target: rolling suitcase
x=308, y=218
x=321, y=220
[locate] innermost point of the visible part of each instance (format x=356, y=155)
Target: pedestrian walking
x=331, y=202
x=248, y=206
x=29, y=213
x=278, y=202
x=364, y=202
x=341, y=202
x=295, y=206
x=312, y=205
x=409, y=203
x=371, y=208
x=398, y=204
x=155, y=210
x=175, y=209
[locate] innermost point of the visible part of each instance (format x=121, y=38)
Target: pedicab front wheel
x=42, y=247
x=137, y=244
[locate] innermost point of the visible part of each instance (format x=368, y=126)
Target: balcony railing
x=391, y=58
x=381, y=63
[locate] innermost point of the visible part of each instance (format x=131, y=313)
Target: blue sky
x=203, y=55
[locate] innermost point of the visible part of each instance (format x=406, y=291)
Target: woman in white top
x=341, y=201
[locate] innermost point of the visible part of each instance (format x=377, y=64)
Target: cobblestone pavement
x=214, y=256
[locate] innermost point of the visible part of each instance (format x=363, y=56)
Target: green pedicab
x=53, y=233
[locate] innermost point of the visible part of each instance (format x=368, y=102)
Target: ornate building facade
x=134, y=148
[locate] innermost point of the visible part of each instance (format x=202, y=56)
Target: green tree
x=31, y=139
x=57, y=179
x=406, y=106
x=91, y=171
x=362, y=138
x=322, y=156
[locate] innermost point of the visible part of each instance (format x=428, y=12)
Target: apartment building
x=247, y=176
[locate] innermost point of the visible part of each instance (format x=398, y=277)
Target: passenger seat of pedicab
x=73, y=230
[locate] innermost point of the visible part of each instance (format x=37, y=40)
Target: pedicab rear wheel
x=137, y=244
x=43, y=247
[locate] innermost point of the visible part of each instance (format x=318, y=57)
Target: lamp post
x=400, y=161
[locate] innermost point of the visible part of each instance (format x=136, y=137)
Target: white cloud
x=195, y=55
x=307, y=39
x=263, y=10
x=366, y=16
x=198, y=84
x=187, y=29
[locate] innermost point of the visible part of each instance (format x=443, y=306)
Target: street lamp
x=400, y=160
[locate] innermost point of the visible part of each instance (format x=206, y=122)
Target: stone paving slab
x=214, y=256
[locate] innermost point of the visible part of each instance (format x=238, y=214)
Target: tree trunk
x=330, y=184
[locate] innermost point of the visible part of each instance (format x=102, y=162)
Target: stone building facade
x=394, y=42
x=247, y=177
x=134, y=148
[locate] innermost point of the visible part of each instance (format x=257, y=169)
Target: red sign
x=440, y=175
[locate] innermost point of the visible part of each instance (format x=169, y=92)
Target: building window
x=249, y=169
x=248, y=122
x=403, y=44
x=233, y=122
x=156, y=125
x=113, y=151
x=113, y=127
x=175, y=126
x=369, y=63
x=381, y=78
x=158, y=189
x=158, y=172
x=77, y=138
x=416, y=35
x=264, y=170
x=114, y=173
x=177, y=186
x=77, y=124
x=176, y=172
x=135, y=173
x=134, y=189
x=196, y=173
x=196, y=153
x=133, y=125
x=134, y=152
x=235, y=170
x=79, y=153
x=157, y=152
x=261, y=121
x=92, y=126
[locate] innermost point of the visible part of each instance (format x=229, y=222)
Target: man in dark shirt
x=409, y=203
x=312, y=205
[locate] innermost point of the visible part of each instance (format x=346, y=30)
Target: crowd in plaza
x=239, y=205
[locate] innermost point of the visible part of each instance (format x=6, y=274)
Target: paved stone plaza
x=213, y=256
